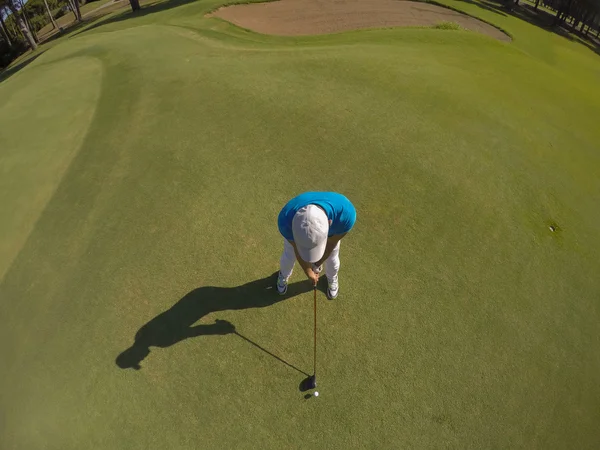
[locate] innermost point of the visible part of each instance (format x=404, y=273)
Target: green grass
x=68, y=19
x=88, y=7
x=448, y=26
x=156, y=164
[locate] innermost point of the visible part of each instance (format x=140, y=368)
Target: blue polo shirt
x=337, y=207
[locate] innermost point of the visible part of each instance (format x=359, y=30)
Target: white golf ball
x=316, y=394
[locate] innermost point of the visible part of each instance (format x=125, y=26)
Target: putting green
x=34, y=162
x=152, y=182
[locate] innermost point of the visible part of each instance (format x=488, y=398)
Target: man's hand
x=314, y=277
x=332, y=241
x=306, y=266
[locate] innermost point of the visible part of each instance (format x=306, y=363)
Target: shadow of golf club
x=270, y=354
x=177, y=323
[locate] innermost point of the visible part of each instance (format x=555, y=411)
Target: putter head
x=308, y=383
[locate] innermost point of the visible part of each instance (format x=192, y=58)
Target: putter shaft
x=315, y=333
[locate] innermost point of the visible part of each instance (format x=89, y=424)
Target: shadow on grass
x=538, y=17
x=92, y=16
x=177, y=323
x=10, y=71
x=74, y=28
x=488, y=6
x=144, y=11
x=545, y=19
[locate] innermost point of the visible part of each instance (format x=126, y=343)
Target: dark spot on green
x=553, y=227
x=439, y=419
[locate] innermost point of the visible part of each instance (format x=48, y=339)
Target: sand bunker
x=307, y=17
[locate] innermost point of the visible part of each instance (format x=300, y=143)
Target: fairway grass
x=156, y=165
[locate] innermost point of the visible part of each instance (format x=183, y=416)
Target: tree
x=54, y=24
x=591, y=8
x=5, y=31
x=77, y=11
x=25, y=16
x=74, y=6
x=135, y=5
x=22, y=24
x=564, y=9
x=592, y=22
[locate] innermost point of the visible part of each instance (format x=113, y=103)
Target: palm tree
x=74, y=5
x=22, y=24
x=5, y=32
x=135, y=5
x=25, y=16
x=54, y=24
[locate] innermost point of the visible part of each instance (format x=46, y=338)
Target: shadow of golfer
x=177, y=323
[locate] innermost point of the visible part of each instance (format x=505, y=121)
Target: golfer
x=312, y=225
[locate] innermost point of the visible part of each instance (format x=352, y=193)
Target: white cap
x=310, y=227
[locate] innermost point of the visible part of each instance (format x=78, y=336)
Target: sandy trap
x=309, y=17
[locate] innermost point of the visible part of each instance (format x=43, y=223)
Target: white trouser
x=288, y=259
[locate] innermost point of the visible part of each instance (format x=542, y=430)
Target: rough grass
x=448, y=26
x=159, y=167
x=89, y=11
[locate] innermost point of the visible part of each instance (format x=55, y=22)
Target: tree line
x=20, y=22
x=584, y=14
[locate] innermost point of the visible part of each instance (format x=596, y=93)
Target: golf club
x=311, y=381
x=260, y=347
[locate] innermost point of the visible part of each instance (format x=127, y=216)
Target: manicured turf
x=69, y=18
x=140, y=164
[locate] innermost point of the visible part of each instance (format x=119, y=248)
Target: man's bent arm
x=302, y=263
x=331, y=243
